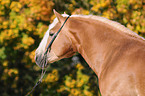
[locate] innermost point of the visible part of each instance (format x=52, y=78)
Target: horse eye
x=51, y=34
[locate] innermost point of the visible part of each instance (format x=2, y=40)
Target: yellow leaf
x=5, y=23
x=5, y=63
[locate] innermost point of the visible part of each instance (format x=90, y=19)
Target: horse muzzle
x=43, y=60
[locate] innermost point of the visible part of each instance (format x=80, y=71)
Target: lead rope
x=39, y=81
x=44, y=60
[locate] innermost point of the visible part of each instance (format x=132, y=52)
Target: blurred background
x=22, y=26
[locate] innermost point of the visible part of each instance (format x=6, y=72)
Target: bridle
x=44, y=60
x=55, y=35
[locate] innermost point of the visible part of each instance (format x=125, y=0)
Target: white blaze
x=43, y=43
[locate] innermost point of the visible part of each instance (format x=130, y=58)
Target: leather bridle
x=44, y=60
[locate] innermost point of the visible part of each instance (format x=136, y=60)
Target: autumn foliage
x=22, y=26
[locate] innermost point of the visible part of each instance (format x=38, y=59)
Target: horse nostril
x=36, y=58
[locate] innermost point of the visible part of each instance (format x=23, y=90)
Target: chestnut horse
x=115, y=53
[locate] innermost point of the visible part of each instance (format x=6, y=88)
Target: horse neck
x=94, y=40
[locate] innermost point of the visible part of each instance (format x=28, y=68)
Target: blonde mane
x=111, y=23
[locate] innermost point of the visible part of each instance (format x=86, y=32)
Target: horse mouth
x=43, y=60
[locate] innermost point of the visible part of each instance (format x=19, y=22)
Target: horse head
x=62, y=45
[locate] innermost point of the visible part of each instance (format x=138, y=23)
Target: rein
x=44, y=60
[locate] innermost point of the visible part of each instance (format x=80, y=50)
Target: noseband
x=44, y=60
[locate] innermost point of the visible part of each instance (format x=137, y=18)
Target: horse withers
x=115, y=53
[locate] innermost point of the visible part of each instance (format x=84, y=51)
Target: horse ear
x=58, y=16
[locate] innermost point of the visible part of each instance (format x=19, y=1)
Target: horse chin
x=52, y=57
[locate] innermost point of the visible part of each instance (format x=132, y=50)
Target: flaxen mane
x=114, y=24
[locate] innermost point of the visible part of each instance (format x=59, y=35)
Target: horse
x=115, y=53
